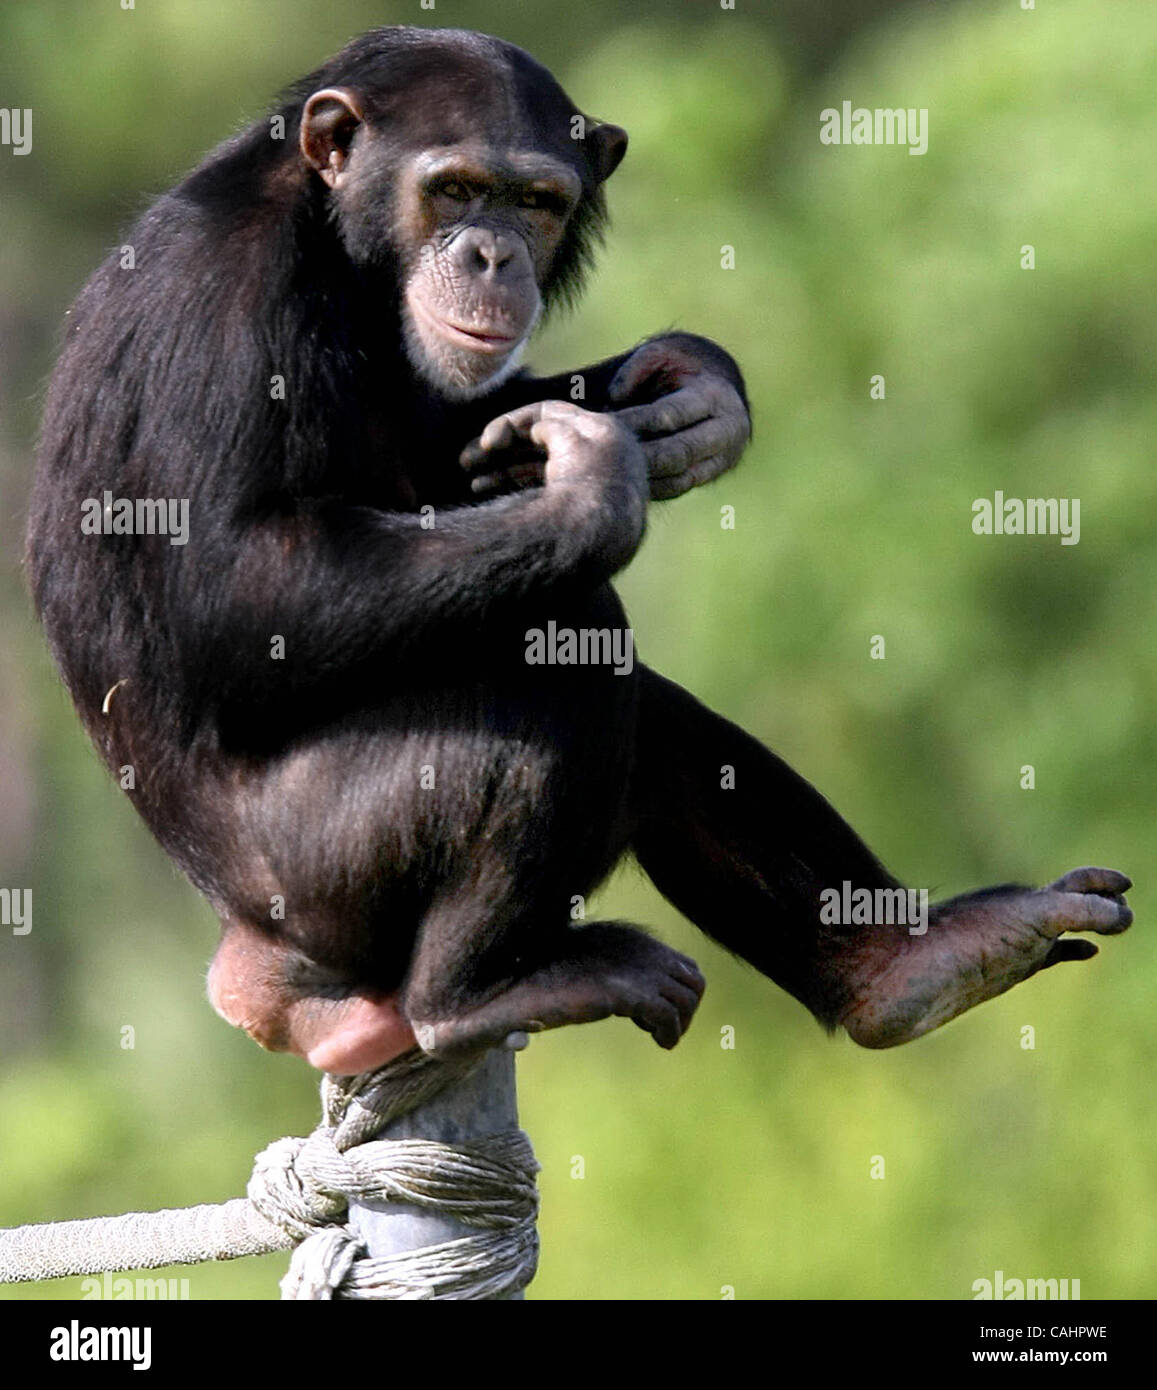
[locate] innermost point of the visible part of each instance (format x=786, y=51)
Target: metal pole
x=486, y=1102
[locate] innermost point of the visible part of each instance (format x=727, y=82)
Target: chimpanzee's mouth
x=477, y=338
x=490, y=340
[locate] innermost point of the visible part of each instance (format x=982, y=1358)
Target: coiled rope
x=299, y=1195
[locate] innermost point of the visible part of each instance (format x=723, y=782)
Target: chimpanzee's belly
x=515, y=747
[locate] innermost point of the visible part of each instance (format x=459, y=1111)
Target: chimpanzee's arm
x=345, y=584
x=693, y=352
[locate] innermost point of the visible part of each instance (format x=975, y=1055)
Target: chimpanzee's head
x=456, y=163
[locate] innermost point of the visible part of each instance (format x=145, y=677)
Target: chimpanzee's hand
x=555, y=441
x=684, y=409
x=590, y=463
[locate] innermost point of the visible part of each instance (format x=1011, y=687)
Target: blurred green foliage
x=853, y=518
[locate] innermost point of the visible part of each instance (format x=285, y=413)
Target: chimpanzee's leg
x=745, y=847
x=570, y=975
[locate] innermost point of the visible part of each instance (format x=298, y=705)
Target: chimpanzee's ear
x=328, y=122
x=606, y=145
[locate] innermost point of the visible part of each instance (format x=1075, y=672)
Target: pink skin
x=341, y=1036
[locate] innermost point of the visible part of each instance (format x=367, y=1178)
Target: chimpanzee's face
x=479, y=215
x=481, y=232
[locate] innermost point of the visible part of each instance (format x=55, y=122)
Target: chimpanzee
x=366, y=700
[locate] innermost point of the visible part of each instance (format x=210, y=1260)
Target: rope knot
x=299, y=1195
x=301, y=1185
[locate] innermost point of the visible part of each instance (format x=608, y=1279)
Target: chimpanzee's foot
x=976, y=947
x=604, y=968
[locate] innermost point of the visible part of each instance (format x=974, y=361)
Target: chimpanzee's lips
x=476, y=338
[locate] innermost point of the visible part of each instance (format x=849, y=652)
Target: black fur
x=404, y=647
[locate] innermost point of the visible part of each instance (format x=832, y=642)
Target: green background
x=708, y=1168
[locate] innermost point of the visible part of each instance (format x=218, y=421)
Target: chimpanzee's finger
x=514, y=429
x=517, y=476
x=688, y=406
x=673, y=454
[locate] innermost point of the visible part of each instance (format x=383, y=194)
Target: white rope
x=137, y=1240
